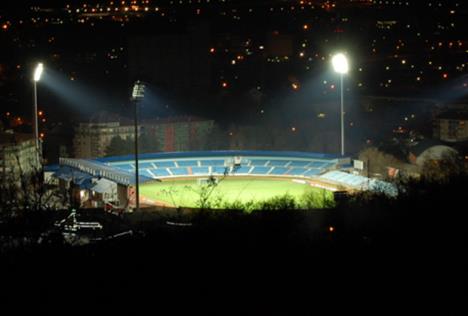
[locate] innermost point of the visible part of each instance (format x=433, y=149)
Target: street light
x=341, y=66
x=37, y=76
x=138, y=93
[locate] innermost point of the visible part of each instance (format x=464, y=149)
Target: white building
x=92, y=138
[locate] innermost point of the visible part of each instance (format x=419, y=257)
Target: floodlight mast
x=37, y=76
x=138, y=93
x=341, y=66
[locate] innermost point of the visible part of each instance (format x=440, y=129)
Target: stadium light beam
x=138, y=93
x=341, y=66
x=37, y=76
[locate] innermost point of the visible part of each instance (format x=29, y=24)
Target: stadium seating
x=187, y=163
x=258, y=162
x=217, y=162
x=179, y=171
x=219, y=170
x=278, y=171
x=298, y=163
x=260, y=170
x=278, y=163
x=317, y=164
x=160, y=172
x=146, y=165
x=126, y=167
x=296, y=171
x=241, y=170
x=145, y=172
x=205, y=166
x=164, y=164
x=345, y=178
x=200, y=170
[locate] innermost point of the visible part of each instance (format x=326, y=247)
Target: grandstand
x=252, y=163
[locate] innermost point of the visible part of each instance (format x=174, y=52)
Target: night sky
x=236, y=62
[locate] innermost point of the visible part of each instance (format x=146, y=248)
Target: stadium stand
x=278, y=163
x=187, y=163
x=205, y=166
x=179, y=171
x=345, y=178
x=260, y=170
x=258, y=162
x=298, y=163
x=296, y=171
x=182, y=164
x=164, y=164
x=217, y=162
x=241, y=170
x=278, y=171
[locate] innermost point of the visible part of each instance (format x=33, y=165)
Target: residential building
x=92, y=139
x=18, y=156
x=451, y=126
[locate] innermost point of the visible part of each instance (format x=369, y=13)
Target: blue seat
x=241, y=170
x=296, y=171
x=317, y=164
x=328, y=165
x=212, y=162
x=145, y=172
x=187, y=163
x=146, y=165
x=219, y=170
x=278, y=163
x=258, y=162
x=260, y=170
x=164, y=164
x=279, y=170
x=179, y=171
x=161, y=172
x=126, y=167
x=298, y=163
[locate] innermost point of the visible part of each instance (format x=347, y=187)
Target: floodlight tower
x=37, y=76
x=340, y=65
x=138, y=93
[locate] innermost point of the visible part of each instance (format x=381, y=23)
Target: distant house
x=451, y=126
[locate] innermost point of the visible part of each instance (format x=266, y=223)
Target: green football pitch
x=230, y=191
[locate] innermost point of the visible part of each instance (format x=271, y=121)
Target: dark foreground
x=380, y=257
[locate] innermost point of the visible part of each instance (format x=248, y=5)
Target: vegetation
x=120, y=147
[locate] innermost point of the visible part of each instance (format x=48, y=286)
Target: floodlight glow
x=38, y=72
x=340, y=63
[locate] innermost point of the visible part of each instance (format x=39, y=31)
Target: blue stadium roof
x=360, y=182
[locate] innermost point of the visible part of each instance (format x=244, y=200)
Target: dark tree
x=119, y=146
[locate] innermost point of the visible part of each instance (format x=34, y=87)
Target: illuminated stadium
x=176, y=179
